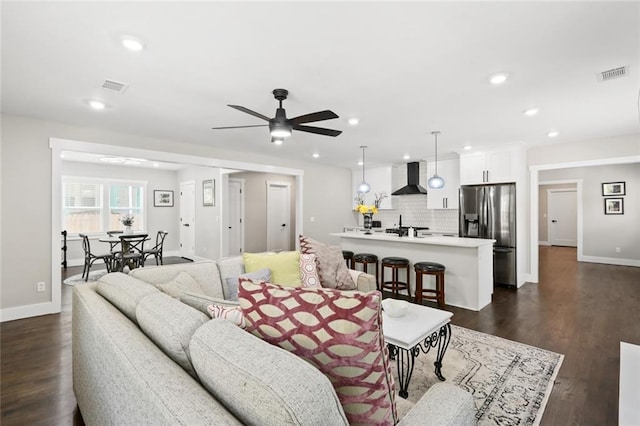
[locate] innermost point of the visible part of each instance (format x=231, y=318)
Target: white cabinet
x=493, y=166
x=380, y=180
x=446, y=197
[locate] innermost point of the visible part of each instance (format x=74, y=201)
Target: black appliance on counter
x=489, y=211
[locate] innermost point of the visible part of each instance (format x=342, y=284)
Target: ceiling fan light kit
x=281, y=127
x=435, y=181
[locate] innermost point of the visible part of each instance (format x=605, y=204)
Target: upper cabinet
x=494, y=166
x=380, y=180
x=446, y=197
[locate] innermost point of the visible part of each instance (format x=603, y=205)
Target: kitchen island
x=469, y=262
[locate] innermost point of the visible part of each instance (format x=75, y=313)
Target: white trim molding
x=28, y=311
x=610, y=260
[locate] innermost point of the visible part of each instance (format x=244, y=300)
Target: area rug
x=510, y=381
x=93, y=276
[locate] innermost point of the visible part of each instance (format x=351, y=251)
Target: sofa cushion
x=201, y=302
x=181, y=284
x=340, y=332
x=233, y=314
x=232, y=282
x=308, y=271
x=284, y=266
x=331, y=265
x=261, y=384
x=205, y=273
x=124, y=292
x=170, y=324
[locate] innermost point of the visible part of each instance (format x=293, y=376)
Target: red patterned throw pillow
x=338, y=332
x=331, y=265
x=233, y=314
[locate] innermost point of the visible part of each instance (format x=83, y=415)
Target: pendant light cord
x=363, y=148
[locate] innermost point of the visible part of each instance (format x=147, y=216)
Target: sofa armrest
x=443, y=404
x=364, y=282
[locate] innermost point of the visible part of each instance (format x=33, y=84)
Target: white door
x=278, y=216
x=562, y=218
x=187, y=219
x=236, y=217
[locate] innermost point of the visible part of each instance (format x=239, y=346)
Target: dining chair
x=156, y=251
x=131, y=254
x=90, y=258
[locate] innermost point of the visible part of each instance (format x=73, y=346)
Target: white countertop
x=427, y=240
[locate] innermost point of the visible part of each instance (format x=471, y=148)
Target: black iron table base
x=405, y=358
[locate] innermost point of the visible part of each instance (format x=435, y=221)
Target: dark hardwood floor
x=582, y=310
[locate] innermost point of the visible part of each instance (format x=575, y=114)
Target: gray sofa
x=141, y=356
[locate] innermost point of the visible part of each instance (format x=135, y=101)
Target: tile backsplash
x=413, y=209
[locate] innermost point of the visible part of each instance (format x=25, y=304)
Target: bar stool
x=430, y=268
x=348, y=257
x=395, y=285
x=366, y=259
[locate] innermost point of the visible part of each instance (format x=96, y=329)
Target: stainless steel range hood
x=413, y=181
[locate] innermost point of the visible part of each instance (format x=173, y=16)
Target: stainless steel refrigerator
x=489, y=211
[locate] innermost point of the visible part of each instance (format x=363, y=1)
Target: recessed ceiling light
x=360, y=163
x=132, y=43
x=553, y=134
x=499, y=78
x=467, y=147
x=531, y=112
x=97, y=105
x=354, y=121
x=406, y=157
x=316, y=155
x=277, y=141
x=156, y=165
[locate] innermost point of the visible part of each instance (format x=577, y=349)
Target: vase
x=128, y=230
x=368, y=221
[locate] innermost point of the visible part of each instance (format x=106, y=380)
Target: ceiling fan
x=281, y=127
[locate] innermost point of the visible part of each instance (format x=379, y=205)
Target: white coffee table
x=419, y=330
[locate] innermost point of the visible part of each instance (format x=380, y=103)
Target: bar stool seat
x=348, y=257
x=366, y=259
x=395, y=264
x=430, y=268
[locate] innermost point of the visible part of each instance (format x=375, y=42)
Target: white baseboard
x=27, y=311
x=609, y=260
x=544, y=243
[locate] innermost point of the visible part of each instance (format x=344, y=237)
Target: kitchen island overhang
x=468, y=261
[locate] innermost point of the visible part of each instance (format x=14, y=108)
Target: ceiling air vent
x=115, y=86
x=613, y=73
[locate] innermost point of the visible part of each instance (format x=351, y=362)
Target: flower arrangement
x=127, y=220
x=364, y=209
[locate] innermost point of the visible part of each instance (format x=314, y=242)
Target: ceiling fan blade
x=314, y=116
x=240, y=127
x=248, y=111
x=317, y=130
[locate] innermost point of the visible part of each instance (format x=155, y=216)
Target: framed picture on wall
x=208, y=192
x=162, y=198
x=614, y=206
x=613, y=188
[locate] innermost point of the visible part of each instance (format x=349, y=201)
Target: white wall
x=158, y=218
x=603, y=233
x=26, y=191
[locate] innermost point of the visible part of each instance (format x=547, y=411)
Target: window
x=97, y=205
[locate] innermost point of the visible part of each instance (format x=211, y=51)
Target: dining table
x=115, y=240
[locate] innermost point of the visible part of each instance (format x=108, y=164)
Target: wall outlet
x=312, y=219
x=617, y=249
x=41, y=286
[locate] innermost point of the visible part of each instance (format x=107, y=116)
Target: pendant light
x=435, y=181
x=364, y=187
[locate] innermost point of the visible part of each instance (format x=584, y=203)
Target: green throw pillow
x=284, y=266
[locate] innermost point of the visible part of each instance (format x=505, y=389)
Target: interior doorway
x=187, y=220
x=279, y=216
x=562, y=217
